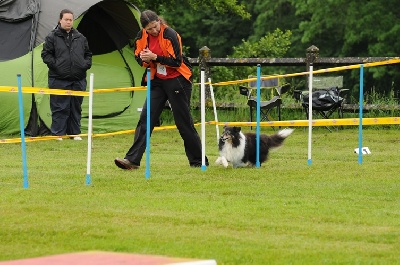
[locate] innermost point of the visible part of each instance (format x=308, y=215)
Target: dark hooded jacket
x=67, y=56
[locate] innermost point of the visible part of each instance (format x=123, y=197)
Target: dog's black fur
x=240, y=149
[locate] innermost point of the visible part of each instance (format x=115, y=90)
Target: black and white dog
x=240, y=149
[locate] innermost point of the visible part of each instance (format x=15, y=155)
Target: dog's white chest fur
x=228, y=153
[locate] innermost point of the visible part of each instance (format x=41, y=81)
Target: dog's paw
x=224, y=162
x=221, y=161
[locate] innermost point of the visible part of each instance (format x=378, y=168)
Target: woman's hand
x=147, y=55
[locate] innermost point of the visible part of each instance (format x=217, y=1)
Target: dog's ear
x=236, y=129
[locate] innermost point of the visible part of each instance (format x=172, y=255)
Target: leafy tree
x=361, y=28
x=221, y=6
x=207, y=27
x=272, y=45
x=339, y=28
x=355, y=29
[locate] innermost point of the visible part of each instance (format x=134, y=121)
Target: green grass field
x=335, y=211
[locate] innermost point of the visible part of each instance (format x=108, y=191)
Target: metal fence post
x=204, y=57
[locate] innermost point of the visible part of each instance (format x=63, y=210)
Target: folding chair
x=328, y=96
x=265, y=106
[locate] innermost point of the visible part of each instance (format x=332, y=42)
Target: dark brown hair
x=148, y=16
x=65, y=11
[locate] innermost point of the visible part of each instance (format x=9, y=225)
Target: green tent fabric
x=109, y=25
x=109, y=72
x=9, y=105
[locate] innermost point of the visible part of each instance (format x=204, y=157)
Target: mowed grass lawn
x=335, y=211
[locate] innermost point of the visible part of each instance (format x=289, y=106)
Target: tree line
x=286, y=28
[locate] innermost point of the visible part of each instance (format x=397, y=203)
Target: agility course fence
x=310, y=122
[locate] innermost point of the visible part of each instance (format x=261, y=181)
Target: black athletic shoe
x=198, y=164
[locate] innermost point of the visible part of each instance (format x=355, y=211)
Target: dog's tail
x=277, y=139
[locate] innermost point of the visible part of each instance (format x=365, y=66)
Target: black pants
x=66, y=111
x=178, y=92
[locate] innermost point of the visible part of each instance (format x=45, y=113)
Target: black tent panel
x=100, y=30
x=15, y=39
x=122, y=15
x=108, y=26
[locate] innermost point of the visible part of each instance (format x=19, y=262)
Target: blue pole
x=21, y=125
x=361, y=100
x=258, y=116
x=148, y=126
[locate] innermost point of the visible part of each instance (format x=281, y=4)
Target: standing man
x=67, y=55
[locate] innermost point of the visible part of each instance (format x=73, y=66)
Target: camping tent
x=109, y=25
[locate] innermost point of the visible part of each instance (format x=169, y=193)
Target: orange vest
x=166, y=45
